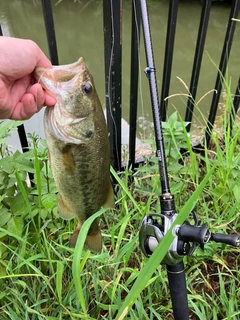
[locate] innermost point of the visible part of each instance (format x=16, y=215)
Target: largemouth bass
x=78, y=146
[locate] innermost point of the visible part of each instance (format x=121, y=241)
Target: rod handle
x=178, y=291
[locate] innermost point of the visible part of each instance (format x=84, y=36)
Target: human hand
x=20, y=96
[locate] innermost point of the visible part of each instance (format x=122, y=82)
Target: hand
x=20, y=96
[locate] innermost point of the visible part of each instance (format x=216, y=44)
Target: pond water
x=79, y=32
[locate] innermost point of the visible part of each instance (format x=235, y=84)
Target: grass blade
x=77, y=257
x=160, y=252
x=59, y=275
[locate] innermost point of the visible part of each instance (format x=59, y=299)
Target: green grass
x=42, y=278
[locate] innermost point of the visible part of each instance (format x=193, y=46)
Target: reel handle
x=198, y=234
x=232, y=239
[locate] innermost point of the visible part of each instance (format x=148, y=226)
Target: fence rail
x=112, y=19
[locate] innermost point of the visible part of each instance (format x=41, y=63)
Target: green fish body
x=78, y=146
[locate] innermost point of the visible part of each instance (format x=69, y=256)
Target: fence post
x=50, y=31
x=112, y=20
x=171, y=29
x=235, y=105
x=135, y=42
x=222, y=67
x=202, y=31
x=236, y=100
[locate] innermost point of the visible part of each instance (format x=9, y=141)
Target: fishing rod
x=154, y=226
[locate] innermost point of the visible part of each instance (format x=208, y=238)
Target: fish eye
x=87, y=88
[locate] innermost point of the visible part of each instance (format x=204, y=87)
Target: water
x=79, y=32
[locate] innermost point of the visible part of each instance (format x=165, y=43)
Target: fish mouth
x=64, y=77
x=61, y=82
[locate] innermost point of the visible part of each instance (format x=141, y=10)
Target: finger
x=41, y=97
x=49, y=100
x=25, y=109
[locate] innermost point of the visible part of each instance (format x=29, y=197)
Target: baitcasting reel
x=186, y=236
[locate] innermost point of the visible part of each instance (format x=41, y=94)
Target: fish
x=78, y=146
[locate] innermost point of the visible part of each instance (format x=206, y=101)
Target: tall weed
x=42, y=278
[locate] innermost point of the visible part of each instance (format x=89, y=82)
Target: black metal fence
x=112, y=19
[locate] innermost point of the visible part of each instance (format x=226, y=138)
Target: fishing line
x=140, y=68
x=40, y=80
x=43, y=74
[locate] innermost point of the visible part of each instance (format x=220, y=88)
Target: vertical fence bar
x=1, y=33
x=112, y=20
x=202, y=31
x=236, y=100
x=50, y=31
x=222, y=67
x=25, y=147
x=23, y=138
x=235, y=105
x=134, y=80
x=171, y=30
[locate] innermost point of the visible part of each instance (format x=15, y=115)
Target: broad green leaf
x=236, y=191
x=49, y=200
x=2, y=272
x=7, y=125
x=15, y=225
x=23, y=190
x=5, y=216
x=18, y=205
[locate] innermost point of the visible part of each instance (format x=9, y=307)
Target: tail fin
x=73, y=239
x=93, y=240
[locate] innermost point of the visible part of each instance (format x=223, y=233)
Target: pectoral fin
x=110, y=202
x=68, y=159
x=63, y=210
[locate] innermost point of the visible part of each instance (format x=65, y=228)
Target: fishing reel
x=186, y=236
